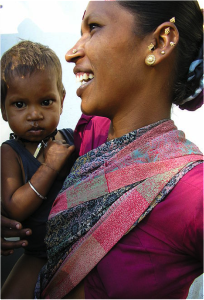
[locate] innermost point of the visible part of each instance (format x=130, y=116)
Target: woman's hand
x=12, y=228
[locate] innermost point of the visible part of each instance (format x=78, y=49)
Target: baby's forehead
x=22, y=70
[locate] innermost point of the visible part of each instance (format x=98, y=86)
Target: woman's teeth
x=83, y=78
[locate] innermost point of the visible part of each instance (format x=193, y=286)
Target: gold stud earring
x=167, y=30
x=151, y=47
x=150, y=60
x=172, y=20
x=162, y=52
x=172, y=44
x=74, y=51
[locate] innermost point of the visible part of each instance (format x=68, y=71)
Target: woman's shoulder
x=178, y=219
x=187, y=195
x=194, y=178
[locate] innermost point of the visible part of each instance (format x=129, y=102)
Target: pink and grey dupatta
x=105, y=196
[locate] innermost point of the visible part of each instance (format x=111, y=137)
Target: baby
x=37, y=158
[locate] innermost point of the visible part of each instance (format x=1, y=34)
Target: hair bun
x=194, y=98
x=203, y=18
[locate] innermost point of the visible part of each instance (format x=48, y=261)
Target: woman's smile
x=85, y=79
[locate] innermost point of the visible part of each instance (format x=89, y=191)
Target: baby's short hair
x=25, y=58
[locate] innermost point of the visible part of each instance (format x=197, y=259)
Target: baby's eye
x=19, y=104
x=47, y=102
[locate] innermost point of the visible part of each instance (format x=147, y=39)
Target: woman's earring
x=172, y=20
x=151, y=47
x=150, y=60
x=167, y=30
x=172, y=44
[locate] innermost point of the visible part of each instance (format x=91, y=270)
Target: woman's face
x=111, y=53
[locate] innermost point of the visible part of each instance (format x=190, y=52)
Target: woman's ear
x=165, y=38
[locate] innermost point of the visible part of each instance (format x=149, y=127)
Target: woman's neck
x=130, y=122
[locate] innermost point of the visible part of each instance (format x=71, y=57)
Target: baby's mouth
x=35, y=127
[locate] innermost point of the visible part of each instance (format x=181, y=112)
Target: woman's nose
x=78, y=50
x=74, y=53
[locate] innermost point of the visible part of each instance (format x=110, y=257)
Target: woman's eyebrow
x=85, y=21
x=84, y=14
x=91, y=15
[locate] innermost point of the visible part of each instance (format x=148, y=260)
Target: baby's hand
x=57, y=153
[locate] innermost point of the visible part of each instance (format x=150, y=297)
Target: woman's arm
x=19, y=200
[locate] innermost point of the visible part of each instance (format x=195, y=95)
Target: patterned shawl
x=109, y=191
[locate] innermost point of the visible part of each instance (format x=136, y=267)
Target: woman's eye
x=47, y=102
x=93, y=26
x=19, y=104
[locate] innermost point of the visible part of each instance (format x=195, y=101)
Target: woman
x=132, y=60
x=128, y=221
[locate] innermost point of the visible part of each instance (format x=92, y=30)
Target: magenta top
x=90, y=132
x=163, y=254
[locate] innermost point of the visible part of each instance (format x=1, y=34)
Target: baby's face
x=33, y=105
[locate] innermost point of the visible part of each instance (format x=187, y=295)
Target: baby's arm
x=18, y=199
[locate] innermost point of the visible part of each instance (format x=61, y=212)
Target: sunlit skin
x=110, y=49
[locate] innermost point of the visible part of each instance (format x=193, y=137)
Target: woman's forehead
x=93, y=8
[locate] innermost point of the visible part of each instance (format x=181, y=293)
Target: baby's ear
x=3, y=113
x=3, y=99
x=62, y=102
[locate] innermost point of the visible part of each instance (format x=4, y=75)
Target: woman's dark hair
x=25, y=58
x=189, y=22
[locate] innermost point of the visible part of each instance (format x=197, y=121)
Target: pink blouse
x=90, y=132
x=163, y=254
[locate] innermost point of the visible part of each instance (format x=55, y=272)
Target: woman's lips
x=85, y=79
x=83, y=87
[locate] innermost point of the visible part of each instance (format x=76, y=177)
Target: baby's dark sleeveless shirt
x=37, y=221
